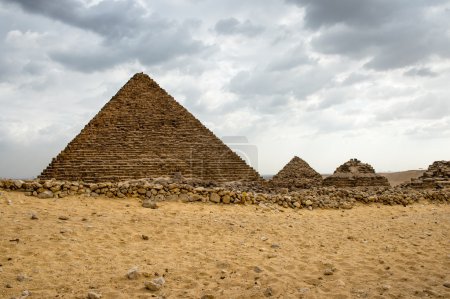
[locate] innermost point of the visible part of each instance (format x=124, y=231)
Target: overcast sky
x=324, y=80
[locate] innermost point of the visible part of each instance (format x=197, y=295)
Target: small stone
x=18, y=183
x=94, y=295
x=226, y=199
x=133, y=273
x=155, y=284
x=207, y=296
x=21, y=277
x=264, y=238
x=328, y=271
x=63, y=218
x=25, y=294
x=275, y=246
x=268, y=292
x=446, y=284
x=150, y=204
x=8, y=286
x=386, y=287
x=144, y=237
x=257, y=269
x=34, y=216
x=214, y=197
x=46, y=194
x=309, y=202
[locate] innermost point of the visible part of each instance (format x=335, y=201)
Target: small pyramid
x=436, y=176
x=143, y=132
x=354, y=173
x=297, y=174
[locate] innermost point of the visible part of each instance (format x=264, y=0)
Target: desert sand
x=224, y=251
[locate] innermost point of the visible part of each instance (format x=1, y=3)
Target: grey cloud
x=300, y=84
x=388, y=34
x=290, y=59
x=108, y=18
x=232, y=26
x=424, y=107
x=368, y=13
x=420, y=72
x=355, y=78
x=127, y=32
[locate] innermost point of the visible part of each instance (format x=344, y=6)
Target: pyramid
x=436, y=176
x=354, y=173
x=297, y=174
x=143, y=132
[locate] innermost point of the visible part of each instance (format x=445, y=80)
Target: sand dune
x=397, y=178
x=224, y=251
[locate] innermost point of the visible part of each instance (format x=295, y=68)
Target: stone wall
x=165, y=190
x=354, y=173
x=143, y=132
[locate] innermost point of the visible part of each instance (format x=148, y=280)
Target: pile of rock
x=436, y=176
x=297, y=174
x=354, y=173
x=150, y=190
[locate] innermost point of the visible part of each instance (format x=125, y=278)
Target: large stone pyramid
x=436, y=176
x=354, y=173
x=143, y=132
x=297, y=174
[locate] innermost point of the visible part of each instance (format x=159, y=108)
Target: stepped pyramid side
x=297, y=174
x=436, y=176
x=354, y=173
x=143, y=132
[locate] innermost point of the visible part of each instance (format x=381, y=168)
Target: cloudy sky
x=322, y=79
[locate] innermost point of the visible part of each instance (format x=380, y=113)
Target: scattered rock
x=94, y=295
x=25, y=294
x=8, y=286
x=447, y=284
x=133, y=273
x=46, y=194
x=207, y=296
x=144, y=237
x=275, y=246
x=308, y=203
x=257, y=269
x=264, y=238
x=268, y=292
x=63, y=218
x=34, y=216
x=21, y=277
x=155, y=285
x=386, y=287
x=328, y=271
x=150, y=204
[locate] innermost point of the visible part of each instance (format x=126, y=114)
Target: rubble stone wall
x=148, y=190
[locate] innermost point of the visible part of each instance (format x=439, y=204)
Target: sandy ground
x=224, y=251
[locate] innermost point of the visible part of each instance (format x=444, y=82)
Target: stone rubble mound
x=297, y=174
x=166, y=190
x=436, y=176
x=354, y=173
x=144, y=132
